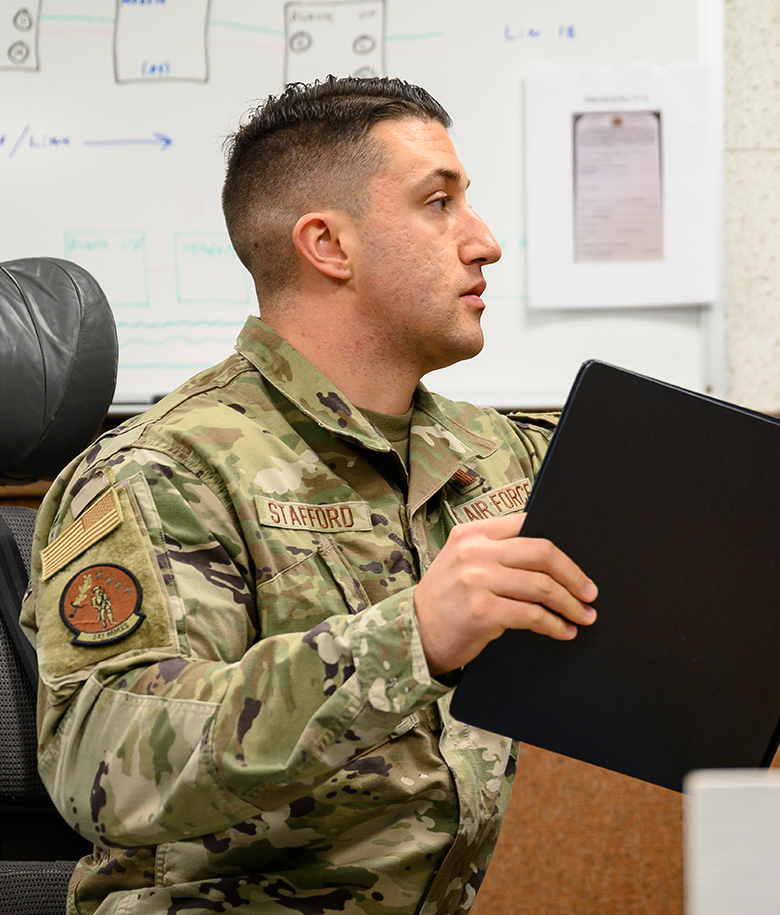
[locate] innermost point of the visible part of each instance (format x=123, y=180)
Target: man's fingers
x=500, y=527
x=537, y=618
x=539, y=588
x=542, y=556
x=487, y=579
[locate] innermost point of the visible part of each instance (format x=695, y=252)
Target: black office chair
x=58, y=364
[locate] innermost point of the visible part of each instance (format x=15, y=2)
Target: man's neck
x=354, y=362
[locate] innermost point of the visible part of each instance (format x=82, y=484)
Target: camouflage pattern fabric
x=235, y=703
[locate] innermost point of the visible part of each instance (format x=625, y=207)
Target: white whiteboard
x=113, y=114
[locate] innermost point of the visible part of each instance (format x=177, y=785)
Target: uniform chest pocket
x=316, y=585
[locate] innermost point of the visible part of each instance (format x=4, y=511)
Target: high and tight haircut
x=308, y=149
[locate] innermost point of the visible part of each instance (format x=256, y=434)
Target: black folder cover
x=670, y=501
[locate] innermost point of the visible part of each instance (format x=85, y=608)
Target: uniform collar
x=436, y=439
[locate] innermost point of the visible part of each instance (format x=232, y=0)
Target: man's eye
x=442, y=202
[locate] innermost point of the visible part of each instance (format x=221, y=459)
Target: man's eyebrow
x=448, y=174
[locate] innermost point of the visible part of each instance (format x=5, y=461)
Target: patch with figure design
x=101, y=604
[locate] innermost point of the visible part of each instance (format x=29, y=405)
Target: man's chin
x=467, y=349
x=474, y=344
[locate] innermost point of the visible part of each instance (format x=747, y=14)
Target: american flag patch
x=95, y=523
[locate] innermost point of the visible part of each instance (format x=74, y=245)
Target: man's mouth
x=476, y=290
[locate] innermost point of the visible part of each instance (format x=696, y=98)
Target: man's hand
x=487, y=579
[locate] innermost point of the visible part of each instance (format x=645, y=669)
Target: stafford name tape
x=340, y=516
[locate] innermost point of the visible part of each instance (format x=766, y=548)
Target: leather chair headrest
x=58, y=365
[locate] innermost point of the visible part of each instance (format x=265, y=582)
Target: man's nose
x=481, y=246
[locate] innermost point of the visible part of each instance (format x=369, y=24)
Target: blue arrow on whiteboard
x=156, y=139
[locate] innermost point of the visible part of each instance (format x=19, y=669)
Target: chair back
x=33, y=829
x=58, y=368
x=58, y=365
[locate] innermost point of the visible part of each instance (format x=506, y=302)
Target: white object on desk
x=732, y=842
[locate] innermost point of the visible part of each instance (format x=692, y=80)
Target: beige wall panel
x=752, y=202
x=752, y=83
x=752, y=278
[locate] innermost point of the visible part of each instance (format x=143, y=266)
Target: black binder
x=670, y=501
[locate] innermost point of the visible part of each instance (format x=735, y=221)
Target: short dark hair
x=309, y=148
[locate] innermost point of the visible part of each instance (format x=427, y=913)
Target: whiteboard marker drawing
x=161, y=41
x=19, y=35
x=117, y=260
x=339, y=37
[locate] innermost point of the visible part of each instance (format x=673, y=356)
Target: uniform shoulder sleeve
x=533, y=433
x=544, y=422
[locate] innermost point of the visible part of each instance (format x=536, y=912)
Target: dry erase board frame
x=111, y=135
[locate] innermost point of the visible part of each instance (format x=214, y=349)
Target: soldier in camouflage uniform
x=249, y=602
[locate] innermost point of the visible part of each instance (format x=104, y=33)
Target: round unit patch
x=100, y=604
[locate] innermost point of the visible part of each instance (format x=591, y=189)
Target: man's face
x=421, y=249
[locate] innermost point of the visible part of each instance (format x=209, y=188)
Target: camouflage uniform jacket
x=236, y=706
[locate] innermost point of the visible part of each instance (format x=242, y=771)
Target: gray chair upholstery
x=58, y=364
x=34, y=887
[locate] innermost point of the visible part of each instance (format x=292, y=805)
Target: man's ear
x=323, y=240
